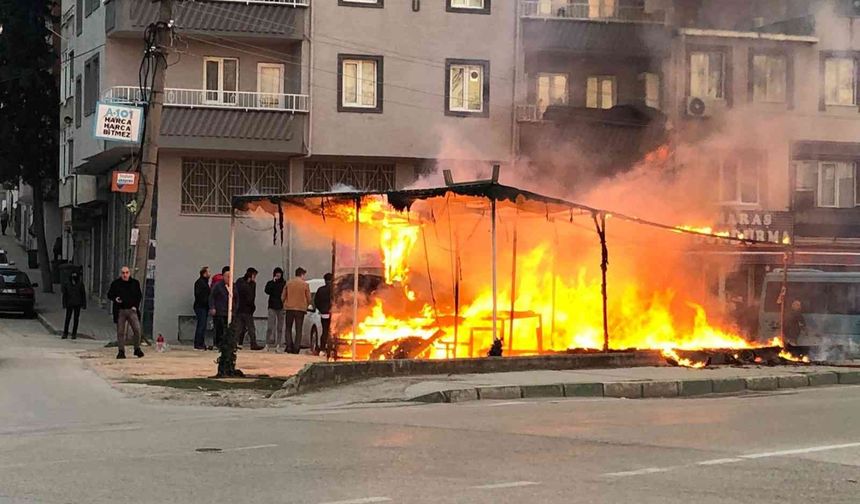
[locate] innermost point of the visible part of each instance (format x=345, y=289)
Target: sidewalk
x=95, y=323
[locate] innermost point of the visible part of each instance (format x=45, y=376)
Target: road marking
x=800, y=451
x=512, y=484
x=718, y=461
x=365, y=500
x=639, y=472
x=244, y=448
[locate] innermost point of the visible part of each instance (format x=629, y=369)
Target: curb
x=645, y=389
x=57, y=331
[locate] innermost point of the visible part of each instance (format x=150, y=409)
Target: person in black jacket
x=322, y=302
x=275, y=328
x=245, y=294
x=126, y=296
x=219, y=302
x=74, y=299
x=201, y=308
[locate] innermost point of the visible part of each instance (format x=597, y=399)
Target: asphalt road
x=68, y=437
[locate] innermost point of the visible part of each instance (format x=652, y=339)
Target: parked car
x=4, y=259
x=17, y=294
x=312, y=329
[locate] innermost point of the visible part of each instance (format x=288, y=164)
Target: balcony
x=230, y=18
x=605, y=10
x=201, y=98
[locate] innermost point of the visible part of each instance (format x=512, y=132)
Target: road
x=67, y=437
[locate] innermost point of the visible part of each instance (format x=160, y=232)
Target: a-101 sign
x=118, y=123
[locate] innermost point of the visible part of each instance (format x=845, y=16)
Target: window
x=468, y=6
x=361, y=3
x=270, y=84
x=600, y=92
x=652, y=89
x=79, y=17
x=467, y=88
x=359, y=84
x=221, y=80
x=208, y=185
x=323, y=176
x=769, y=78
x=836, y=184
x=70, y=72
x=92, y=6
x=91, y=85
x=79, y=95
x=707, y=71
x=70, y=161
x=551, y=90
x=599, y=9
x=840, y=81
x=739, y=179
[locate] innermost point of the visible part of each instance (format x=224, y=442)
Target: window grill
x=208, y=185
x=322, y=176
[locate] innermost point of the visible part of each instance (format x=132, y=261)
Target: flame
x=683, y=361
x=793, y=358
x=706, y=230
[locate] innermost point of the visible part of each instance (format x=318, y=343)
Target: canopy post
x=513, y=290
x=355, y=278
x=494, y=264
x=554, y=288
x=600, y=224
x=232, y=266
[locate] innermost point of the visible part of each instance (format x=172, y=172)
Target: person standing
x=219, y=277
x=245, y=291
x=74, y=299
x=201, y=308
x=795, y=324
x=4, y=220
x=275, y=290
x=126, y=296
x=58, y=248
x=297, y=298
x=219, y=302
x=322, y=302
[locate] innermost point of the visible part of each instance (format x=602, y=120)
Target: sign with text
x=124, y=182
x=118, y=123
x=759, y=225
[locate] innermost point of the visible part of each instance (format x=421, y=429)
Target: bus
x=830, y=305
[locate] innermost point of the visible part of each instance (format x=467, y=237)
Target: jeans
x=127, y=318
x=275, y=329
x=294, y=340
x=220, y=323
x=202, y=315
x=244, y=323
x=72, y=311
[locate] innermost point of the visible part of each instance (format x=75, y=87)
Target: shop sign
x=118, y=123
x=125, y=182
x=758, y=225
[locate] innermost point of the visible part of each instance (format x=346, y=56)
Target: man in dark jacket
x=126, y=296
x=795, y=324
x=219, y=302
x=74, y=298
x=201, y=308
x=245, y=292
x=275, y=328
x=322, y=302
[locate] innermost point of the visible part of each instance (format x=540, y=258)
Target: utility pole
x=149, y=157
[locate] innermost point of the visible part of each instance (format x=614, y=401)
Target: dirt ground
x=183, y=375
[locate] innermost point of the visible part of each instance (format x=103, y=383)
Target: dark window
x=323, y=176
x=813, y=296
x=91, y=85
x=378, y=4
x=467, y=88
x=79, y=17
x=359, y=83
x=92, y=5
x=71, y=158
x=78, y=101
x=468, y=6
x=16, y=278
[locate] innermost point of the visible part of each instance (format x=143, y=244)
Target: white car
x=4, y=259
x=312, y=330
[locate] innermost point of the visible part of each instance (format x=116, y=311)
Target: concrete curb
x=58, y=331
x=646, y=389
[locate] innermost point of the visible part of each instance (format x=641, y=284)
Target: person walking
x=245, y=291
x=322, y=302
x=4, y=220
x=275, y=289
x=126, y=296
x=795, y=324
x=219, y=302
x=297, y=298
x=201, y=307
x=74, y=299
x=219, y=277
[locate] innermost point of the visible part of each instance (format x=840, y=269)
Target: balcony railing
x=606, y=10
x=201, y=98
x=289, y=3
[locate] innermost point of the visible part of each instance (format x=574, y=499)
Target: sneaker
x=120, y=354
x=74, y=336
x=138, y=352
x=65, y=336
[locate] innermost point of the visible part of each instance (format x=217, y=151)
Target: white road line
x=365, y=500
x=800, y=451
x=639, y=472
x=512, y=484
x=718, y=461
x=257, y=447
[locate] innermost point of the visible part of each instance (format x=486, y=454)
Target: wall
x=414, y=46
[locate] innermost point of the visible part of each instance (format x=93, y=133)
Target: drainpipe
x=309, y=38
x=517, y=59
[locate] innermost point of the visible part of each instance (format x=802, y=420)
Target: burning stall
x=477, y=269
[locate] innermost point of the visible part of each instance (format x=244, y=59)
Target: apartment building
x=272, y=96
x=776, y=80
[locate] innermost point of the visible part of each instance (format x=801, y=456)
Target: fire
x=789, y=357
x=683, y=361
x=707, y=230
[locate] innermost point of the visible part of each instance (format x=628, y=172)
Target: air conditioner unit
x=704, y=107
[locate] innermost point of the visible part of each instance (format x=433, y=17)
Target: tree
x=29, y=116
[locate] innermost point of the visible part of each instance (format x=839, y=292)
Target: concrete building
x=272, y=96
